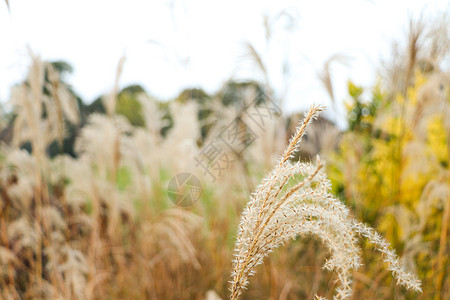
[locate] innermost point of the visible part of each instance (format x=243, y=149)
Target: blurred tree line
x=128, y=105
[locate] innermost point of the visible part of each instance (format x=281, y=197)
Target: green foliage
x=128, y=105
x=194, y=94
x=361, y=113
x=124, y=178
x=166, y=117
x=233, y=93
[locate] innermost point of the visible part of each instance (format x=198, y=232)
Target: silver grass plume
x=279, y=211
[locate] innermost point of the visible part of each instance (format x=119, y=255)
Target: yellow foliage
x=388, y=170
x=437, y=140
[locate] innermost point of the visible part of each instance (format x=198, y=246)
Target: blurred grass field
x=85, y=214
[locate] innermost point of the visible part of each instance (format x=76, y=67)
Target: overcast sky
x=175, y=44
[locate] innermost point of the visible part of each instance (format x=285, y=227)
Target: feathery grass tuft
x=278, y=212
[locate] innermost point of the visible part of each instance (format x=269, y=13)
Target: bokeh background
x=103, y=103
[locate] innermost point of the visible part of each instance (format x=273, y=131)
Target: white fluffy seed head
x=277, y=213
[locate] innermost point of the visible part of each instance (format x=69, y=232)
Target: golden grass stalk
x=277, y=213
x=110, y=100
x=442, y=242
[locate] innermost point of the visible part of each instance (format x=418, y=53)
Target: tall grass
x=99, y=224
x=84, y=228
x=278, y=212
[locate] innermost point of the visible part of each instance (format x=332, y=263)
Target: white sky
x=175, y=44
